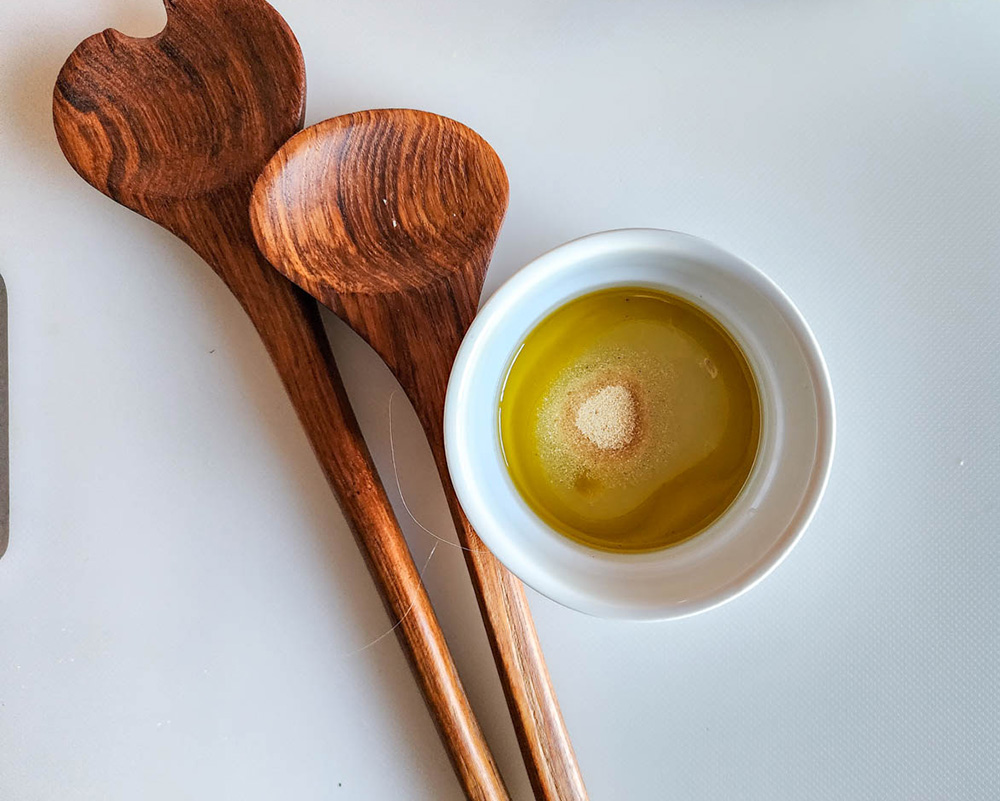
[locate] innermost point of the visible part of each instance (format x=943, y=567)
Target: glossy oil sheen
x=702, y=424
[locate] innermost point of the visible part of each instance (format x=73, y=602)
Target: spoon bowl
x=216, y=99
x=383, y=235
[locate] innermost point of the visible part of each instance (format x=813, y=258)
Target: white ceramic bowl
x=788, y=477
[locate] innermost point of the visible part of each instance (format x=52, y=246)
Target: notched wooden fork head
x=199, y=106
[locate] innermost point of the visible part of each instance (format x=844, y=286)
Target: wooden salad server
x=389, y=218
x=177, y=127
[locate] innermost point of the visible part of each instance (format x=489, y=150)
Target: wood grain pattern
x=389, y=217
x=177, y=127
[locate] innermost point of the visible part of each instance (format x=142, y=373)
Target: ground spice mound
x=608, y=417
x=606, y=422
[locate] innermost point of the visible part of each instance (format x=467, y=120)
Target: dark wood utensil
x=177, y=127
x=389, y=218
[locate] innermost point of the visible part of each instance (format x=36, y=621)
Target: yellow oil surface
x=698, y=412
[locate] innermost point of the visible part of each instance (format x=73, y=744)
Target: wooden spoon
x=389, y=218
x=177, y=127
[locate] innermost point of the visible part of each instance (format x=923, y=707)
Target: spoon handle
x=541, y=732
x=289, y=323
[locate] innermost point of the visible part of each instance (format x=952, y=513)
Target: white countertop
x=181, y=604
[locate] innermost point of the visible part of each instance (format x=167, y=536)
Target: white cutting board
x=180, y=601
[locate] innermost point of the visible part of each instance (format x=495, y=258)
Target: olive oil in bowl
x=629, y=419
